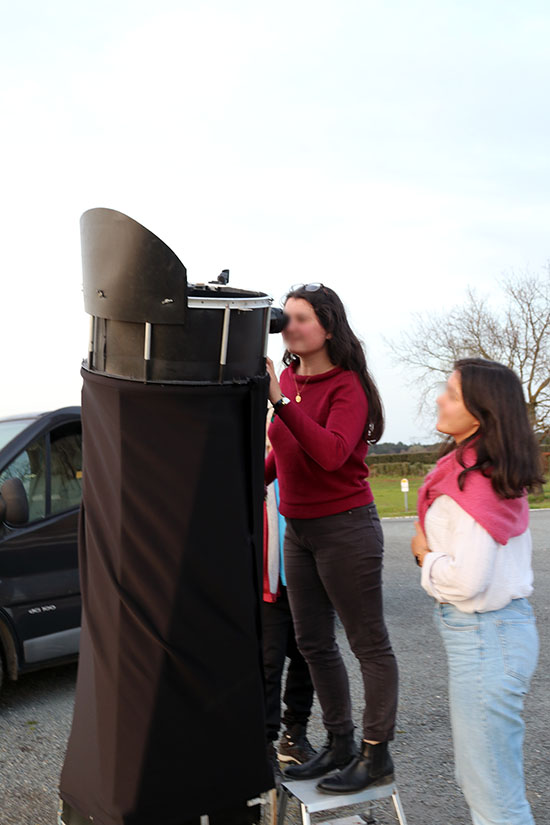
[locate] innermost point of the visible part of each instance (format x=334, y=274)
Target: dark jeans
x=279, y=642
x=334, y=563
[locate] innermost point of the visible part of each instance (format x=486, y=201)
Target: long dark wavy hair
x=505, y=445
x=344, y=350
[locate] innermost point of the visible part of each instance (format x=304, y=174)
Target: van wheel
x=1, y=668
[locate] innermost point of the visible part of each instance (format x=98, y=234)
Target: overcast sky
x=395, y=150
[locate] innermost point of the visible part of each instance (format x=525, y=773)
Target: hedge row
x=418, y=464
x=404, y=469
x=404, y=465
x=402, y=458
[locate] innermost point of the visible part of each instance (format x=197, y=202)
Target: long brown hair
x=344, y=349
x=505, y=445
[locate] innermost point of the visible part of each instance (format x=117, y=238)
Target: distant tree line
x=393, y=448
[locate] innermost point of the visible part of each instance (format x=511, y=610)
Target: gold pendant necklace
x=298, y=396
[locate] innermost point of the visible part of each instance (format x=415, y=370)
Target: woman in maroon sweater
x=327, y=410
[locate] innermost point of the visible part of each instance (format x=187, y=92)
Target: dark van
x=40, y=492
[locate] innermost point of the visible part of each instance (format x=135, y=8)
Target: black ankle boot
x=374, y=766
x=338, y=751
x=294, y=746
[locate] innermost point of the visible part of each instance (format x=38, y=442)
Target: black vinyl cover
x=169, y=722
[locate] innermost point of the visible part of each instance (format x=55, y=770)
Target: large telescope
x=168, y=725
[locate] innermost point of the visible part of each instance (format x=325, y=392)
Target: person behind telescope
x=474, y=547
x=279, y=643
x=327, y=412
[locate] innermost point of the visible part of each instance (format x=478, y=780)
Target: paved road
x=35, y=713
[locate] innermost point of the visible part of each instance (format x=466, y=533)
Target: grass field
x=390, y=501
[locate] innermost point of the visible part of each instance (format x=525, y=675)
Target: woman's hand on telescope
x=274, y=386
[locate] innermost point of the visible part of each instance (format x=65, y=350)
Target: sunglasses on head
x=307, y=287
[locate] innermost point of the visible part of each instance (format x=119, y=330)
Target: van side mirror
x=14, y=505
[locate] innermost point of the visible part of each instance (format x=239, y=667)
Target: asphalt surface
x=35, y=713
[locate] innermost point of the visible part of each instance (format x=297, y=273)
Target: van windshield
x=9, y=429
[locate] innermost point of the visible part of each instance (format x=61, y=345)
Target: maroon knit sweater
x=318, y=448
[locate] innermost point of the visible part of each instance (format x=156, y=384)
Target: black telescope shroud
x=169, y=720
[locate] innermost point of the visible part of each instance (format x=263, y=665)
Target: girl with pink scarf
x=474, y=547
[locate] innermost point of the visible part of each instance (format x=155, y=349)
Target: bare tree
x=518, y=336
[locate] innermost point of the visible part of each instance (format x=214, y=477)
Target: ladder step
x=314, y=801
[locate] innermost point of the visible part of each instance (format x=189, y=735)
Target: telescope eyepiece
x=278, y=320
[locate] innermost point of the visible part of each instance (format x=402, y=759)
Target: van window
x=30, y=467
x=9, y=429
x=66, y=467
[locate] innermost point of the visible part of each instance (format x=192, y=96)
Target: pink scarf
x=503, y=518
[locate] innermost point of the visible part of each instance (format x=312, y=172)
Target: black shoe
x=337, y=752
x=294, y=746
x=274, y=762
x=373, y=766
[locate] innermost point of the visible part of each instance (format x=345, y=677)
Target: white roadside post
x=405, y=491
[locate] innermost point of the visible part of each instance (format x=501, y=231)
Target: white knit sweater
x=467, y=567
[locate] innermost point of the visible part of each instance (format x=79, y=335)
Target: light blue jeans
x=491, y=658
